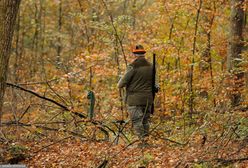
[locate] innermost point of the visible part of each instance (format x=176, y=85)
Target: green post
x=91, y=97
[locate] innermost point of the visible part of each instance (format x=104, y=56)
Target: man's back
x=139, y=88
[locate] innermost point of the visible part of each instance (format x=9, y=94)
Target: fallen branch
x=45, y=98
x=47, y=146
x=221, y=160
x=43, y=127
x=167, y=139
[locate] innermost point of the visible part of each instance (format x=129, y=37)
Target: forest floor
x=204, y=145
x=71, y=152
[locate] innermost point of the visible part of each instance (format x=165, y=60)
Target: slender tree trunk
x=206, y=57
x=16, y=62
x=59, y=47
x=191, y=70
x=8, y=12
x=134, y=14
x=35, y=41
x=86, y=29
x=235, y=47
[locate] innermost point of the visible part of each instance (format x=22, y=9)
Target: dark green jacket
x=138, y=82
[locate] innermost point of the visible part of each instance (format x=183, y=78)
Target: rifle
x=154, y=89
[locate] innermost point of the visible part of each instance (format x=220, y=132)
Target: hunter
x=138, y=83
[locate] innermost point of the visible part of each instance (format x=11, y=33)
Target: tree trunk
x=235, y=48
x=191, y=70
x=8, y=12
x=236, y=34
x=59, y=47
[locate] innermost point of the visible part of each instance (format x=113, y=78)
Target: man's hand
x=156, y=88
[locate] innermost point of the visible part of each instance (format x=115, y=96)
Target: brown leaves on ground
x=77, y=153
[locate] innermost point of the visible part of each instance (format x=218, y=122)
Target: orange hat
x=139, y=49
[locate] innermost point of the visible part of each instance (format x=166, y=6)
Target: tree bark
x=236, y=34
x=8, y=12
x=235, y=48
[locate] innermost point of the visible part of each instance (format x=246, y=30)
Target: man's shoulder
x=140, y=63
x=130, y=67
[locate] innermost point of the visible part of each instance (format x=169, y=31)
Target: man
x=138, y=83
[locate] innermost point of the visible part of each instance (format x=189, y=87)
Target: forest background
x=61, y=49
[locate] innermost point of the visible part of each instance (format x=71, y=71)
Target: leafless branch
x=115, y=31
x=45, y=98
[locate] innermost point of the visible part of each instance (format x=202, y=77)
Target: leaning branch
x=45, y=98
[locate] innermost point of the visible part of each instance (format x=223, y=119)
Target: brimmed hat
x=139, y=49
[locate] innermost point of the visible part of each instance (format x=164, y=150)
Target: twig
x=59, y=96
x=35, y=83
x=4, y=137
x=167, y=139
x=97, y=123
x=221, y=160
x=42, y=127
x=47, y=146
x=24, y=113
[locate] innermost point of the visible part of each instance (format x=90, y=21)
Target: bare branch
x=45, y=98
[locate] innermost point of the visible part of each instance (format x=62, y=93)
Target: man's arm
x=124, y=81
